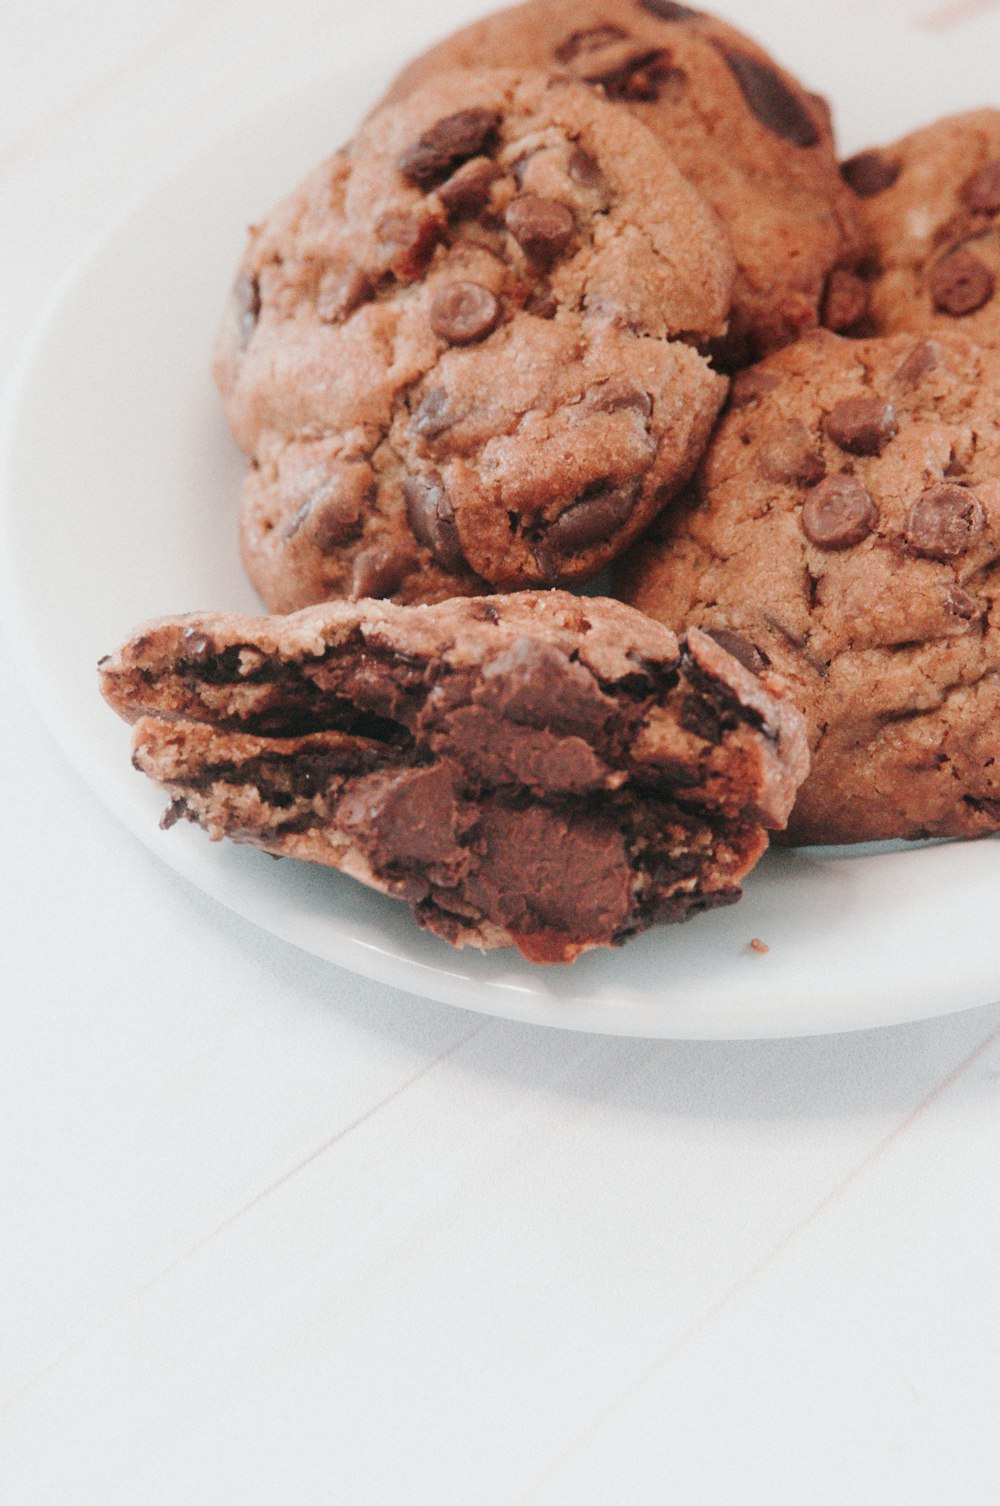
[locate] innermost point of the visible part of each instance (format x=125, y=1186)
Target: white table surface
x=270, y=1233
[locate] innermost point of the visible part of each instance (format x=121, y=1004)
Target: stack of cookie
x=590, y=289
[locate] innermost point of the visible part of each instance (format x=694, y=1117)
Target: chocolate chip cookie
x=845, y=531
x=932, y=206
x=462, y=355
x=538, y=770
x=739, y=126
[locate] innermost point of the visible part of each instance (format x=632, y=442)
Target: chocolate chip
x=592, y=40
x=468, y=190
x=535, y=685
x=846, y=300
x=945, y=522
x=198, y=650
x=341, y=293
x=862, y=425
x=464, y=312
x=961, y=283
x=378, y=571
x=616, y=395
x=700, y=717
x=542, y=227
x=790, y=457
x=583, y=169
x=432, y=519
x=750, y=386
x=409, y=242
x=447, y=144
x=331, y=512
x=434, y=416
x=668, y=11
x=960, y=605
x=603, y=508
x=770, y=99
x=246, y=297
x=649, y=76
x=838, y=513
x=742, y=650
x=982, y=191
x=923, y=358
x=870, y=173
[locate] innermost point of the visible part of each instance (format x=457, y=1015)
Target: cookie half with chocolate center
x=419, y=351
x=537, y=770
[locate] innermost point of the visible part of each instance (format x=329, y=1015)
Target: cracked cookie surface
x=845, y=527
x=462, y=354
x=931, y=203
x=540, y=770
x=737, y=124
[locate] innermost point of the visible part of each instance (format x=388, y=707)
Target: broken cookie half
x=538, y=770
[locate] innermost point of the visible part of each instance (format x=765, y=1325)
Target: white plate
x=120, y=485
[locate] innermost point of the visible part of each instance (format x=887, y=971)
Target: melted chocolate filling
x=505, y=790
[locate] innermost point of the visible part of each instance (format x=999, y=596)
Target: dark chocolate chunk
x=378, y=571
x=698, y=716
x=583, y=169
x=464, y=312
x=468, y=190
x=543, y=228
x=870, y=173
x=945, y=522
x=742, y=650
x=541, y=869
x=331, y=512
x=341, y=292
x=246, y=297
x=603, y=508
x=618, y=394
x=592, y=40
x=846, y=300
x=409, y=242
x=213, y=665
x=447, y=144
x=409, y=819
x=432, y=519
x=923, y=358
x=790, y=457
x=535, y=685
x=838, y=513
x=862, y=425
x=649, y=76
x=434, y=416
x=667, y=10
x=198, y=650
x=981, y=192
x=961, y=283
x=770, y=99
x=750, y=386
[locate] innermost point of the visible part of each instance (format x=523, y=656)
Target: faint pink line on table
x=36, y=135
x=11, y=1400
x=704, y=1319
x=954, y=13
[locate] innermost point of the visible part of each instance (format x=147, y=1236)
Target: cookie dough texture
x=537, y=770
x=462, y=354
x=846, y=526
x=737, y=124
x=931, y=204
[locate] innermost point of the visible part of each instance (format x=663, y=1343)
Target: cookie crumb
x=757, y=945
